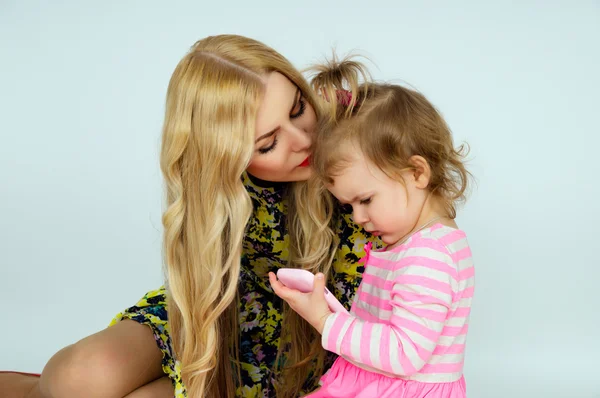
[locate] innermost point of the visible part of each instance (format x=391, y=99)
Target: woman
x=236, y=142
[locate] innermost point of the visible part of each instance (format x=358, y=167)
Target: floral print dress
x=265, y=249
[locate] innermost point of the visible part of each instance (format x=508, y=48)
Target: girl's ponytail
x=341, y=80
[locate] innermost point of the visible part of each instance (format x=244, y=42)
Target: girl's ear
x=422, y=171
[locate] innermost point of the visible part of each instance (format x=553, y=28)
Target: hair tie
x=344, y=97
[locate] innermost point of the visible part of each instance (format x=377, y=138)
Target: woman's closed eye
x=269, y=148
x=365, y=201
x=296, y=111
x=299, y=107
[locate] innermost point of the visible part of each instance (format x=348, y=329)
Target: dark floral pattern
x=265, y=249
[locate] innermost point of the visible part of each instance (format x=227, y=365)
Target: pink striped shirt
x=410, y=315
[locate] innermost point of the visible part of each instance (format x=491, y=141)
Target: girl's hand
x=310, y=306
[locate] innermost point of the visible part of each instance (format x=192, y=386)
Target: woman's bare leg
x=13, y=385
x=112, y=363
x=161, y=388
x=16, y=385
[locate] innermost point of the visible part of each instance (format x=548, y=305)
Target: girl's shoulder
x=439, y=242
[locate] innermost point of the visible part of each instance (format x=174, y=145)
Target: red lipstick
x=306, y=163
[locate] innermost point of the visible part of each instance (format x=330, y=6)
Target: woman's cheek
x=263, y=168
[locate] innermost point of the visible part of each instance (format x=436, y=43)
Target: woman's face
x=284, y=128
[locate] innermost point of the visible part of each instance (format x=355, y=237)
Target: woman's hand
x=310, y=306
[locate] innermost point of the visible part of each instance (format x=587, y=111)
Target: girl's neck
x=434, y=208
x=433, y=212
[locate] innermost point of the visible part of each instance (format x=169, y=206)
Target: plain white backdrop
x=82, y=87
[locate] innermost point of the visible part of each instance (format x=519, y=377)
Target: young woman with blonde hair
x=235, y=154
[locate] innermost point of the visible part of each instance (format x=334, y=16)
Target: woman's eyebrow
x=270, y=133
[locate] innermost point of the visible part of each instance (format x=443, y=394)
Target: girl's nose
x=360, y=216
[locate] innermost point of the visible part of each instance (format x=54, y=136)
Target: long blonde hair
x=208, y=141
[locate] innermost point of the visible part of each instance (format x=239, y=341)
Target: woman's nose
x=300, y=140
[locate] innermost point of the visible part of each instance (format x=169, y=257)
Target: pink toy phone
x=303, y=280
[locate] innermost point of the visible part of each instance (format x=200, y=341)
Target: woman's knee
x=81, y=369
x=111, y=363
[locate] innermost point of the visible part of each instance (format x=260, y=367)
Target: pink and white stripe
x=410, y=316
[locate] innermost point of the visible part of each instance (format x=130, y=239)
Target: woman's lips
x=305, y=163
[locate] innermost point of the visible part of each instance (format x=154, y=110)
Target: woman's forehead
x=277, y=100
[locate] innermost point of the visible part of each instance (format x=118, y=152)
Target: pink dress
x=406, y=332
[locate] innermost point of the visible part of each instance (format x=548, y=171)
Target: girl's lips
x=305, y=163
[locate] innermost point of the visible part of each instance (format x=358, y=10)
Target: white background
x=82, y=88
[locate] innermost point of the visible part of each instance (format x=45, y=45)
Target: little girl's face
x=381, y=205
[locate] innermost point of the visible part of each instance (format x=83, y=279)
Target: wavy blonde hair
x=207, y=143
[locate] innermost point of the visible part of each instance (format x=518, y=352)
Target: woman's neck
x=265, y=184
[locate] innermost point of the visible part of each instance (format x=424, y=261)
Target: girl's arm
x=420, y=298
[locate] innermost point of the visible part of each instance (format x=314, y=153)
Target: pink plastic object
x=303, y=280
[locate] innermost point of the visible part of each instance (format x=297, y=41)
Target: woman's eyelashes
x=365, y=201
x=298, y=111
x=301, y=108
x=269, y=148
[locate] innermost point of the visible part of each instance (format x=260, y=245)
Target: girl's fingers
x=280, y=289
x=319, y=285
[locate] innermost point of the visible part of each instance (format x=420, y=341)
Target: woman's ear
x=422, y=171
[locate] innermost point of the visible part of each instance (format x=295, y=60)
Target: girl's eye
x=269, y=148
x=300, y=111
x=365, y=201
